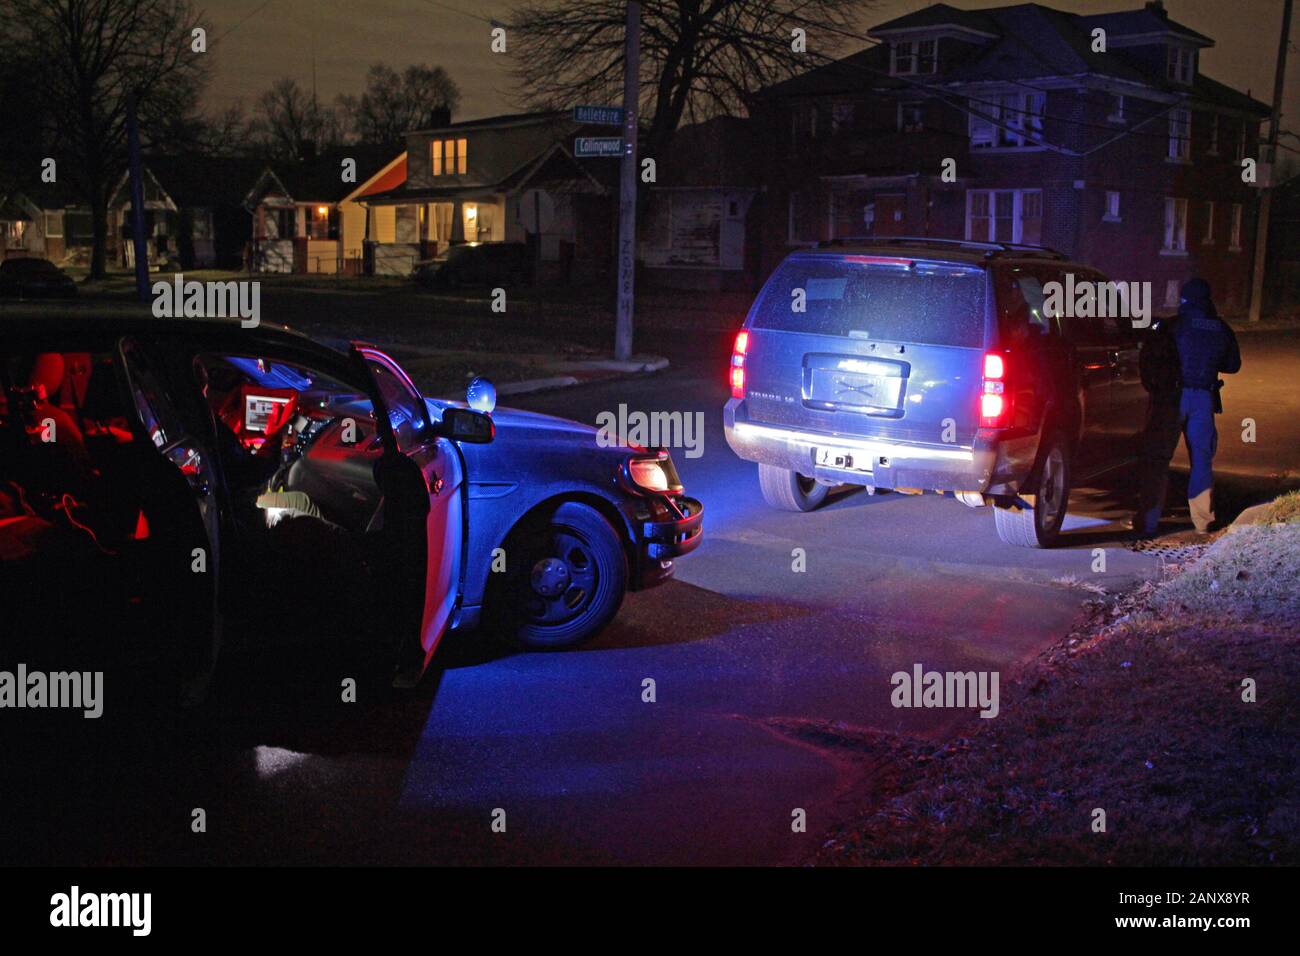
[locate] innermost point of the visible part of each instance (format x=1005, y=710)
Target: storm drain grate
x=1174, y=553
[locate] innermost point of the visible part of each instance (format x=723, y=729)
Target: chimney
x=439, y=116
x=1158, y=8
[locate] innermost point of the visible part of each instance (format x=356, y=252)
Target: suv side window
x=1020, y=303
x=1078, y=330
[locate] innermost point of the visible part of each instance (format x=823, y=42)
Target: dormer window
x=910, y=57
x=1180, y=66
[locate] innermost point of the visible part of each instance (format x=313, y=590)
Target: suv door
x=420, y=476
x=1091, y=368
x=1126, y=414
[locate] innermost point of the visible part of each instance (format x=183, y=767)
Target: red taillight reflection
x=738, y=364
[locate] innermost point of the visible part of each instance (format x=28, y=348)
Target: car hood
x=515, y=423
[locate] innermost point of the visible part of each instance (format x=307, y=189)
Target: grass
x=1141, y=714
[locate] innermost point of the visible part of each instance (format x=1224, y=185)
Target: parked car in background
x=921, y=364
x=32, y=278
x=478, y=264
x=207, y=478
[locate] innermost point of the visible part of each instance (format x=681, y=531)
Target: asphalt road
x=740, y=646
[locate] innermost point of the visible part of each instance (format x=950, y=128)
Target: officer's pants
x=1192, y=418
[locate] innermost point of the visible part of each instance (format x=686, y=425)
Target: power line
x=245, y=19
x=491, y=21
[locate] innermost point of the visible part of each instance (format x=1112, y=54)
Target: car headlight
x=655, y=474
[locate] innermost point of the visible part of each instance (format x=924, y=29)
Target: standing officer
x=1181, y=365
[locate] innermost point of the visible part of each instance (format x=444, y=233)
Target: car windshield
x=928, y=302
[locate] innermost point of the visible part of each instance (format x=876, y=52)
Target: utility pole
x=137, y=200
x=1266, y=199
x=627, y=184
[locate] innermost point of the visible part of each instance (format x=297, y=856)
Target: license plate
x=842, y=458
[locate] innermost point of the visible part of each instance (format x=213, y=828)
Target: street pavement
x=563, y=748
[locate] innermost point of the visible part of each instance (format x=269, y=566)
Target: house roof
x=1032, y=41
x=722, y=151
x=504, y=119
x=939, y=15
x=195, y=180
x=1151, y=19
x=320, y=179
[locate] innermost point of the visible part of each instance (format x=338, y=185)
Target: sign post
x=627, y=185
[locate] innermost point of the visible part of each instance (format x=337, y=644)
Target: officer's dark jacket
x=1207, y=347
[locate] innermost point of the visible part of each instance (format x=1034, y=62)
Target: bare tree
x=292, y=124
x=699, y=58
x=91, y=56
x=396, y=102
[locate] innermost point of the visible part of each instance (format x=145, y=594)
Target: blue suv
x=933, y=365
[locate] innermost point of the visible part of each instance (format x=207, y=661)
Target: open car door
x=173, y=473
x=419, y=475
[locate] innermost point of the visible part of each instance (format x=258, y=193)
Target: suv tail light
x=738, y=364
x=995, y=399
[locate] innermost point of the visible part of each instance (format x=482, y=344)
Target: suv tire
x=1039, y=526
x=789, y=490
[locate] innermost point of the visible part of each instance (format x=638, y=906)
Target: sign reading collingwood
x=598, y=146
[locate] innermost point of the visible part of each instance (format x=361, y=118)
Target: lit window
x=1180, y=135
x=1004, y=215
x=449, y=157
x=908, y=57
x=911, y=117
x=1009, y=121
x=1175, y=225
x=1181, y=65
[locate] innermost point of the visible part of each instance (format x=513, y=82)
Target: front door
x=420, y=476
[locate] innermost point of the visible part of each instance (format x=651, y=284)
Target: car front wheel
x=564, y=581
x=789, y=490
x=1039, y=526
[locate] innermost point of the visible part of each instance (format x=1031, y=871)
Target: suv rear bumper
x=996, y=463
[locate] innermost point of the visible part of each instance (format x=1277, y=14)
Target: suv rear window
x=930, y=303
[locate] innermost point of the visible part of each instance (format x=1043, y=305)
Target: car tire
x=1039, y=526
x=790, y=491
x=565, y=580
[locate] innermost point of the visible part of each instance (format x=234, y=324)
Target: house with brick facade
x=1096, y=135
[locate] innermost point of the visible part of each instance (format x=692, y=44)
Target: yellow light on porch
x=471, y=212
x=322, y=211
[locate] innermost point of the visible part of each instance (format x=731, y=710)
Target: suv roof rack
x=989, y=249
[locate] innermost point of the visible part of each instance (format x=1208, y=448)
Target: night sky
x=278, y=37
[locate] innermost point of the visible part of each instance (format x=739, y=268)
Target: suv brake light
x=738, y=364
x=995, y=400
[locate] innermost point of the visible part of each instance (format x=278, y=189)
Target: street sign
x=598, y=146
x=599, y=115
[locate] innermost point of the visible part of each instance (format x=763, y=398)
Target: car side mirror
x=467, y=425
